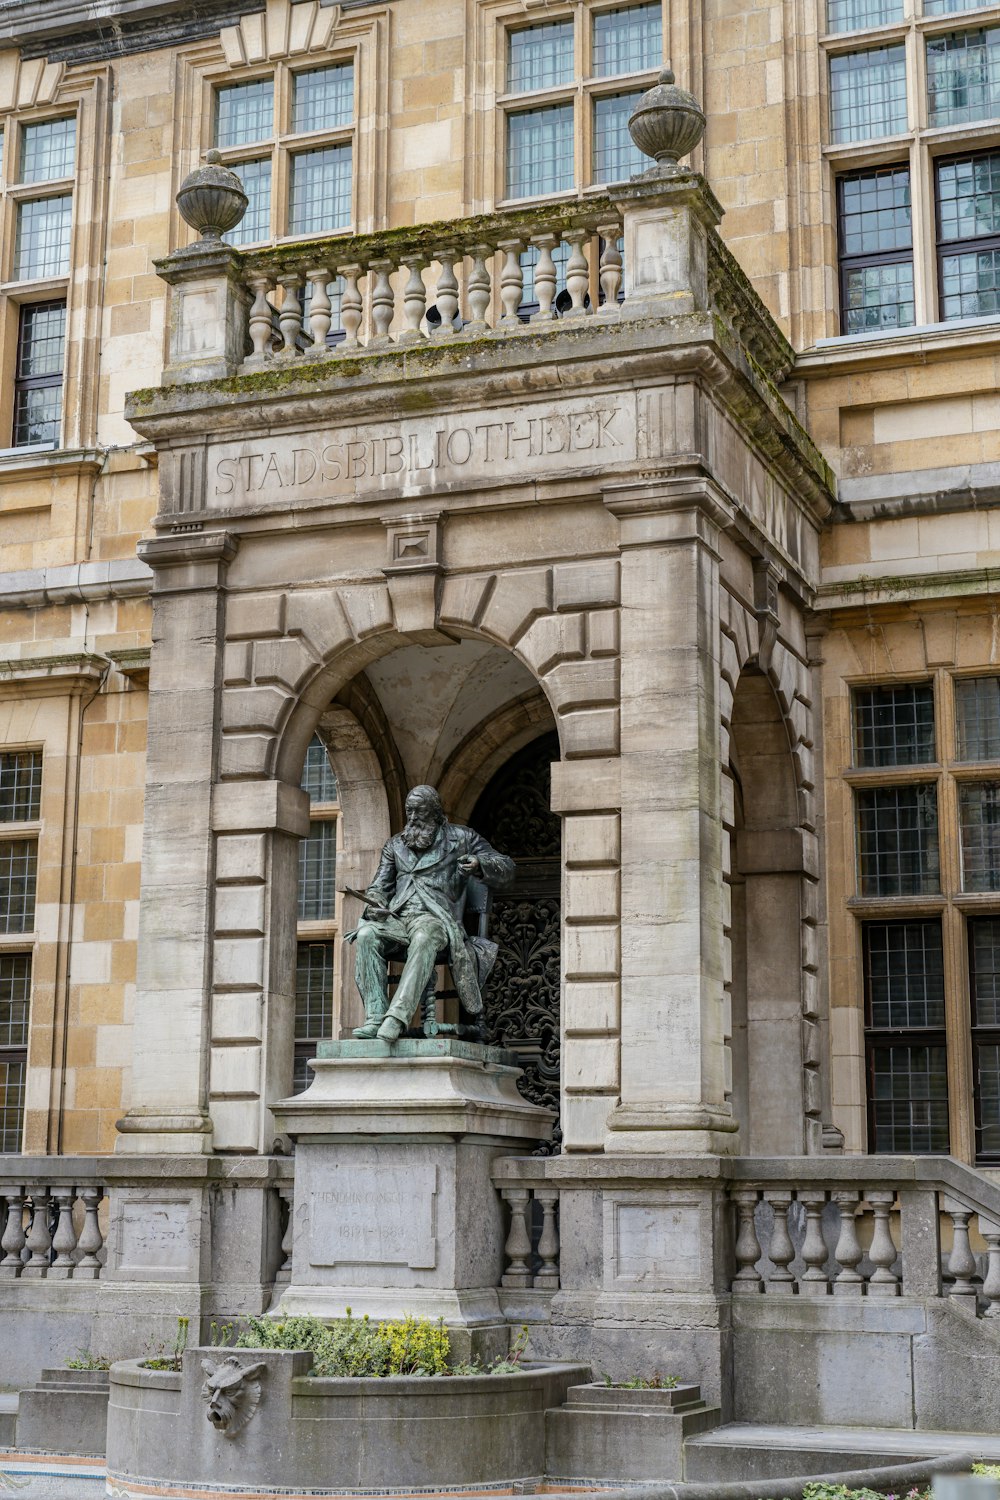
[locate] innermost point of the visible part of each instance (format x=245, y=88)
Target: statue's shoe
x=369, y=1030
x=390, y=1030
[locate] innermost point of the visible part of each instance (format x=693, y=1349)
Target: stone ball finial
x=667, y=122
x=211, y=198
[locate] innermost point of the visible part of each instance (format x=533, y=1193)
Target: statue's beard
x=419, y=835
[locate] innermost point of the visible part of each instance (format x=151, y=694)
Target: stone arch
x=481, y=754
x=289, y=654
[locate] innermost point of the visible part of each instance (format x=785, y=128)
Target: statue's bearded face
x=422, y=824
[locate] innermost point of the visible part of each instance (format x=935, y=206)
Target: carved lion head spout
x=232, y=1391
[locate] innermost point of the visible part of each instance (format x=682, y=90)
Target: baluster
x=545, y=278
x=350, y=307
x=91, y=1240
x=478, y=289
x=290, y=316
x=611, y=266
x=748, y=1251
x=414, y=302
x=991, y=1285
x=319, y=306
x=261, y=326
x=961, y=1261
x=39, y=1241
x=446, y=292
x=511, y=283
x=883, y=1281
x=64, y=1239
x=780, y=1251
x=814, y=1282
x=383, y=303
x=283, y=1275
x=12, y=1241
x=547, y=1278
x=518, y=1246
x=848, y=1253
x=577, y=273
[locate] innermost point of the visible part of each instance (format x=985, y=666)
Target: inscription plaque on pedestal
x=372, y=1212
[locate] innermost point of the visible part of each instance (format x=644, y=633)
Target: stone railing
x=867, y=1227
x=51, y=1223
x=433, y=281
x=531, y=1250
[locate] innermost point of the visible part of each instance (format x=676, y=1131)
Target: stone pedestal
x=394, y=1209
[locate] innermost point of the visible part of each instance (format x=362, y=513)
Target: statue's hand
x=377, y=913
x=469, y=864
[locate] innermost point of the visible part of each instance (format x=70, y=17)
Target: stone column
x=674, y=1058
x=168, y=1112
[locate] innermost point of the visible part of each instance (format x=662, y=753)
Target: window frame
x=581, y=91
x=14, y=944
x=972, y=245
x=323, y=930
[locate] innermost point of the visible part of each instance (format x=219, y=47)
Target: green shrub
x=356, y=1346
x=84, y=1360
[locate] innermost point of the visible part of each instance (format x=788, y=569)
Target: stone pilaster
x=168, y=1111
x=208, y=312
x=674, y=1074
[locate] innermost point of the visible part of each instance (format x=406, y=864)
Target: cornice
x=51, y=676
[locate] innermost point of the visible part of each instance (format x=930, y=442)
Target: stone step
x=8, y=1418
x=745, y=1450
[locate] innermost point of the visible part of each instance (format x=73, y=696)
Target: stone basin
x=328, y=1435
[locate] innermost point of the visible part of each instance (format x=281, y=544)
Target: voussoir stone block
x=321, y=619
x=551, y=639
x=236, y=664
x=517, y=599
x=283, y=662
x=462, y=599
x=245, y=754
x=587, y=683
x=254, y=708
x=368, y=609
x=586, y=585
x=603, y=632
x=250, y=616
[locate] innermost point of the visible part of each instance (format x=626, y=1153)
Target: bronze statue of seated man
x=415, y=907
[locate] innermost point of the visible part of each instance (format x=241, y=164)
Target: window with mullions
x=894, y=726
x=898, y=841
x=41, y=245
x=628, y=40
x=539, y=57
x=540, y=151
x=963, y=76
x=868, y=94
x=977, y=714
x=323, y=98
x=968, y=213
x=946, y=7
x=984, y=993
x=313, y=1006
x=244, y=113
x=320, y=196
x=38, y=374
x=979, y=807
x=18, y=870
x=317, y=872
x=876, y=250
x=852, y=15
x=48, y=150
x=905, y=1037
x=255, y=224
x=15, y=999
x=316, y=955
x=616, y=156
x=20, y=786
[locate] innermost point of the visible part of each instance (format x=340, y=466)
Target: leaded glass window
x=616, y=156
x=18, y=868
x=868, y=94
x=905, y=1038
x=20, y=786
x=320, y=192
x=256, y=222
x=38, y=374
x=968, y=203
x=979, y=807
x=540, y=151
x=947, y=7
x=627, y=40
x=963, y=76
x=540, y=57
x=977, y=713
x=852, y=15
x=313, y=1005
x=318, y=776
x=904, y=975
x=876, y=250
x=48, y=150
x=984, y=991
x=898, y=841
x=323, y=98
x=317, y=872
x=244, y=113
x=15, y=1000
x=908, y=1104
x=894, y=726
x=43, y=237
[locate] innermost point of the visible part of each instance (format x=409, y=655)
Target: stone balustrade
x=433, y=282
x=531, y=1250
x=52, y=1227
